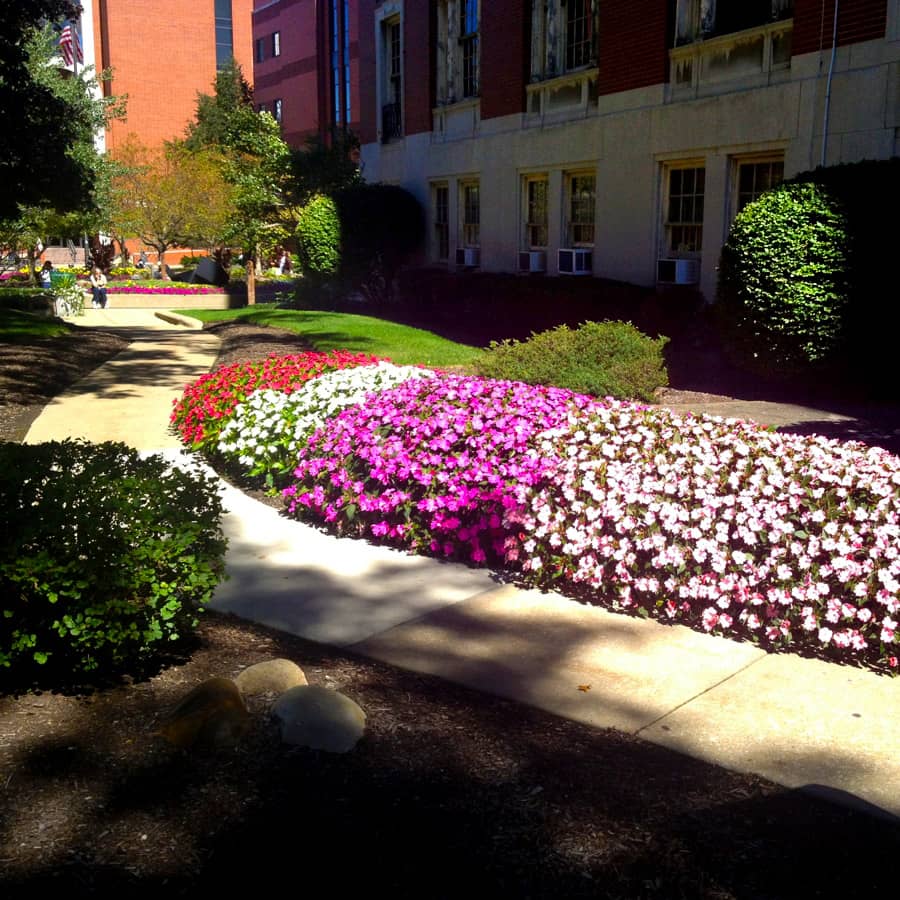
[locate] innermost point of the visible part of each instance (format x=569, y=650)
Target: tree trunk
x=161, y=254
x=251, y=283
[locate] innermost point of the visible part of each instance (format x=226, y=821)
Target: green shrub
x=105, y=556
x=606, y=359
x=783, y=277
x=319, y=236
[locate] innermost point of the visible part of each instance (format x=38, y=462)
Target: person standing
x=46, y=269
x=98, y=287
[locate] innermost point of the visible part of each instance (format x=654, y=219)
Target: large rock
x=213, y=714
x=274, y=676
x=319, y=718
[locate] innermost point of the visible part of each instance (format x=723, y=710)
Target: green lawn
x=344, y=331
x=18, y=326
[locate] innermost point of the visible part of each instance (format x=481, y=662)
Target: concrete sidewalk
x=799, y=722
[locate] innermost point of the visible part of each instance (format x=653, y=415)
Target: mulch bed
x=449, y=791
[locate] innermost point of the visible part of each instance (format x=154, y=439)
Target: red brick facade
x=505, y=56
x=368, y=97
x=633, y=45
x=858, y=20
x=162, y=54
x=301, y=76
x=418, y=66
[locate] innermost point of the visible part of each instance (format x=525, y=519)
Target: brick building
x=162, y=53
x=615, y=138
x=306, y=65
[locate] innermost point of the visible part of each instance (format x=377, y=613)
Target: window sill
x=562, y=96
x=750, y=58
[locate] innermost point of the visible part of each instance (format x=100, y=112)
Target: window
x=579, y=34
x=224, y=37
x=276, y=43
x=276, y=110
x=391, y=126
x=756, y=177
x=698, y=19
x=441, y=197
x=260, y=49
x=580, y=210
x=458, y=54
x=340, y=62
x=536, y=190
x=471, y=215
x=563, y=37
x=684, y=210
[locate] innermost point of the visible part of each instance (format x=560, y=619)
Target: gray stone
x=213, y=714
x=274, y=676
x=319, y=718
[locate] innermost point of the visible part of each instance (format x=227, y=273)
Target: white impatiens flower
x=269, y=427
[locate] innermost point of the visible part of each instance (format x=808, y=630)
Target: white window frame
x=276, y=43
x=668, y=248
x=531, y=228
x=570, y=181
x=440, y=229
x=469, y=231
x=697, y=20
x=738, y=162
x=549, y=38
x=391, y=82
x=450, y=80
x=278, y=110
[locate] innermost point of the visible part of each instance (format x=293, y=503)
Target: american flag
x=68, y=39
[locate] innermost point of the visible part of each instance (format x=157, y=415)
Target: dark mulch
x=450, y=791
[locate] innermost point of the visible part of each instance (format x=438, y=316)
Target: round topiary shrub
x=783, y=278
x=605, y=359
x=105, y=557
x=319, y=236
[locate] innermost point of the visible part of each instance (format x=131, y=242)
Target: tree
x=169, y=197
x=39, y=165
x=255, y=161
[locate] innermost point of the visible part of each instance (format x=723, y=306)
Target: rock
x=319, y=718
x=213, y=714
x=272, y=676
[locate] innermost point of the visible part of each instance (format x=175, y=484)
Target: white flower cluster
x=270, y=426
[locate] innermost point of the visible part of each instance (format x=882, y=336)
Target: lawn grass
x=346, y=331
x=17, y=326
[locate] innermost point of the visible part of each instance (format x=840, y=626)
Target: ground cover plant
x=157, y=286
x=105, y=555
x=266, y=431
x=724, y=526
x=204, y=407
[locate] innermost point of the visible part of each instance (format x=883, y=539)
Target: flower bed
x=205, y=406
x=788, y=541
x=131, y=287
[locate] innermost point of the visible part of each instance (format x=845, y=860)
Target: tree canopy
x=40, y=163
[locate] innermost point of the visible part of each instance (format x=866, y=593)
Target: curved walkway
x=799, y=722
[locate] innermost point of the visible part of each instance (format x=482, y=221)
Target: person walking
x=98, y=287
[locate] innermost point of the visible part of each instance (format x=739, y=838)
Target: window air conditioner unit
x=677, y=271
x=532, y=261
x=468, y=257
x=576, y=261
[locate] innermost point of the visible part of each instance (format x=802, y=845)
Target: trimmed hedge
x=105, y=557
x=605, y=359
x=319, y=236
x=804, y=274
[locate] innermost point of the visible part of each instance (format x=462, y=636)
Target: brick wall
x=163, y=53
x=858, y=20
x=418, y=66
x=505, y=56
x=632, y=45
x=368, y=101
